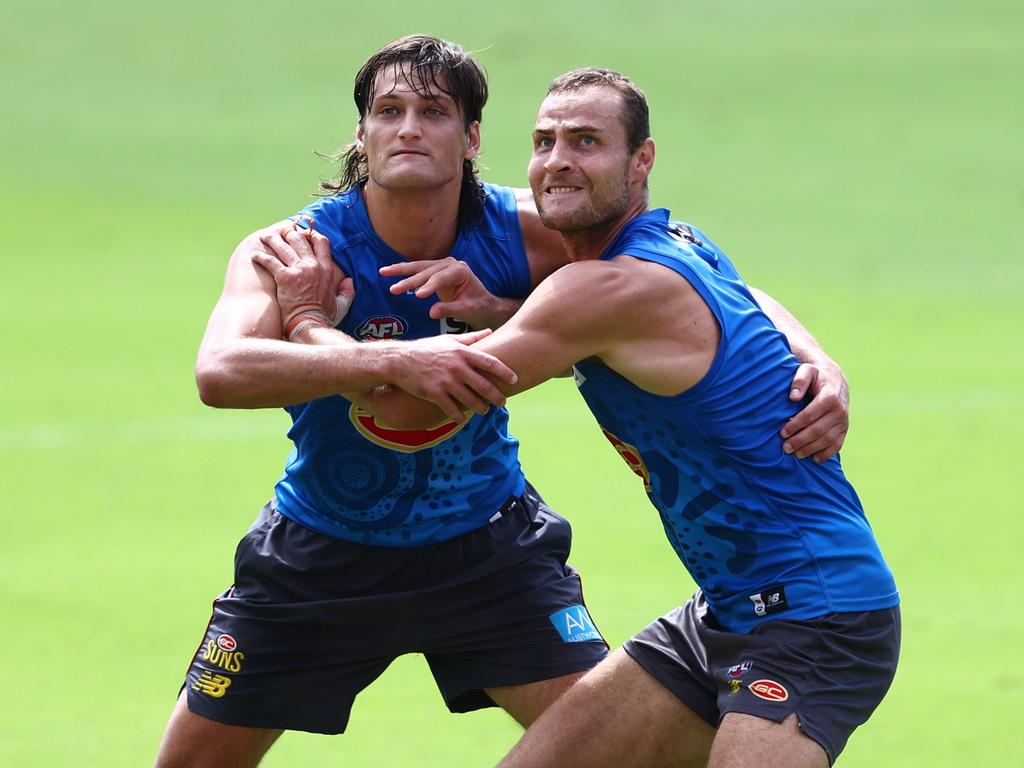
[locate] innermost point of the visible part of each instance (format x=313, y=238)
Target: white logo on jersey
x=578, y=377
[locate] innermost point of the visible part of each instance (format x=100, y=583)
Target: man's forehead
x=403, y=79
x=594, y=107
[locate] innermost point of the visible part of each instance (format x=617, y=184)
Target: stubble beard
x=607, y=204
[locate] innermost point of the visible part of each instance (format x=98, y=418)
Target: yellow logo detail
x=406, y=441
x=734, y=686
x=229, y=660
x=212, y=685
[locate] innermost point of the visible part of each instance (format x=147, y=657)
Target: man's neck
x=591, y=243
x=418, y=224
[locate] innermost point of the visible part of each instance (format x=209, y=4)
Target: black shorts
x=831, y=671
x=312, y=620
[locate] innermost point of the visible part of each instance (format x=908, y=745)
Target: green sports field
x=863, y=162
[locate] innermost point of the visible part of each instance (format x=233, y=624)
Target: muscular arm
x=631, y=329
x=244, y=363
x=819, y=430
x=461, y=294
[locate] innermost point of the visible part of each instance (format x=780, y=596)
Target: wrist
x=303, y=320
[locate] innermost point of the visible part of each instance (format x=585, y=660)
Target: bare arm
x=244, y=362
x=461, y=293
x=818, y=430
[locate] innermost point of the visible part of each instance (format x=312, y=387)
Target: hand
x=308, y=281
x=448, y=372
x=819, y=430
x=461, y=293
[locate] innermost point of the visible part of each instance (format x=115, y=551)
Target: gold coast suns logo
x=404, y=440
x=632, y=457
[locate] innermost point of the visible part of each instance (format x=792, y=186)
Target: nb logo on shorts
x=575, y=625
x=212, y=685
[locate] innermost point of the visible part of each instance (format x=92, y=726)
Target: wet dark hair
x=431, y=59
x=635, y=113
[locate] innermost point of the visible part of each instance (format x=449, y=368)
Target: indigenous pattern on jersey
x=351, y=478
x=764, y=534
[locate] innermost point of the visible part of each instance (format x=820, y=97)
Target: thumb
x=347, y=288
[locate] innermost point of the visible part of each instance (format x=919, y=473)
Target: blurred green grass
x=861, y=162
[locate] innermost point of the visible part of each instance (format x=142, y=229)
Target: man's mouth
x=560, y=190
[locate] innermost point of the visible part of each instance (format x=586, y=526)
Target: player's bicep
x=546, y=337
x=247, y=307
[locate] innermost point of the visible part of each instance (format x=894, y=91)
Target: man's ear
x=642, y=162
x=473, y=148
x=360, y=146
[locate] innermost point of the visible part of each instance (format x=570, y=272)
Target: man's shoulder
x=341, y=217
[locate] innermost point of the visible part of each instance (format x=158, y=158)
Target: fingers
x=491, y=365
x=804, y=379
x=321, y=247
x=284, y=252
x=816, y=431
x=269, y=262
x=829, y=450
x=449, y=407
x=406, y=268
x=416, y=280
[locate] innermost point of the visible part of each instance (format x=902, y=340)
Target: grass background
x=861, y=161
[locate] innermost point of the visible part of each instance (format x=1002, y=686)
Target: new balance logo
x=212, y=685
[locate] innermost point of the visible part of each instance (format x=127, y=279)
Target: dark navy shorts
x=831, y=671
x=312, y=620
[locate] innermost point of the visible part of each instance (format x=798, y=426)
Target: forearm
x=269, y=373
x=496, y=313
x=390, y=405
x=804, y=345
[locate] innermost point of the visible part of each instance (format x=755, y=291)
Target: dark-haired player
x=437, y=526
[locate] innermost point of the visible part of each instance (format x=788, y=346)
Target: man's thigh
x=194, y=741
x=745, y=740
x=615, y=716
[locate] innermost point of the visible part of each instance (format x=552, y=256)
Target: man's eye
x=434, y=111
x=588, y=141
x=545, y=143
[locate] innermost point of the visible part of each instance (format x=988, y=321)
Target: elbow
x=214, y=383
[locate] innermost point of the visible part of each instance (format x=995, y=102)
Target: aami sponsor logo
x=768, y=690
x=632, y=457
x=212, y=685
x=404, y=440
x=231, y=661
x=382, y=327
x=575, y=625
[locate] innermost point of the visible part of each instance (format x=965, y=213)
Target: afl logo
x=382, y=327
x=226, y=643
x=768, y=690
x=632, y=457
x=404, y=440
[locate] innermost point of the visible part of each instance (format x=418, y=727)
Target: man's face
x=580, y=169
x=414, y=140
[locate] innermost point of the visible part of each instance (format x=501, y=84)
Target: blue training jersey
x=354, y=479
x=764, y=534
